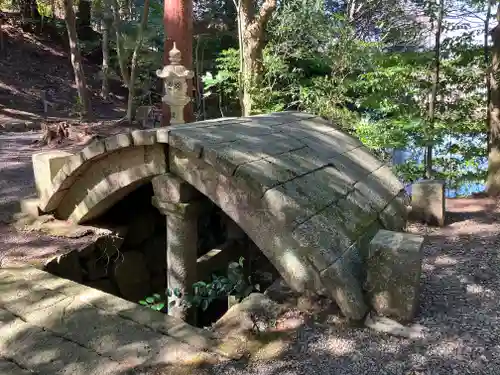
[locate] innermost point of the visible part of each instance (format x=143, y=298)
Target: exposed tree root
x=61, y=132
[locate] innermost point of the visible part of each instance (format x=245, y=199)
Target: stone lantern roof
x=175, y=69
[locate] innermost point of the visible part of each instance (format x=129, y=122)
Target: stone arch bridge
x=310, y=196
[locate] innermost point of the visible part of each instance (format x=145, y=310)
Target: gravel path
x=16, y=173
x=460, y=304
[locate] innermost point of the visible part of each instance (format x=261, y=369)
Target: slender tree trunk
x=29, y=10
x=434, y=90
x=84, y=28
x=493, y=182
x=76, y=60
x=237, y=5
x=134, y=62
x=353, y=8
x=120, y=51
x=487, y=71
x=35, y=14
x=106, y=26
x=252, y=26
x=53, y=10
x=2, y=37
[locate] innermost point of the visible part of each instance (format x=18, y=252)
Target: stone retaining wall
x=129, y=263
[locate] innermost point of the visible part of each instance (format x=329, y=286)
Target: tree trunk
x=120, y=51
x=106, y=26
x=84, y=16
x=29, y=10
x=487, y=72
x=178, y=25
x=434, y=90
x=134, y=62
x=237, y=6
x=353, y=8
x=252, y=70
x=76, y=60
x=252, y=26
x=493, y=181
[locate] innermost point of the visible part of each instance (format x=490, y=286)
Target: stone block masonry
x=174, y=199
x=393, y=274
x=50, y=325
x=307, y=194
x=428, y=202
x=45, y=166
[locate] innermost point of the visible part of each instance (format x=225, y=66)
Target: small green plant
x=204, y=293
x=155, y=302
x=77, y=106
x=235, y=284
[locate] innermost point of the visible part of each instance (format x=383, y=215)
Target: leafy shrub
x=204, y=293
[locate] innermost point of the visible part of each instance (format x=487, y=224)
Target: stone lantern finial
x=175, y=56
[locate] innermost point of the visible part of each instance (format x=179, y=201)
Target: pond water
x=466, y=188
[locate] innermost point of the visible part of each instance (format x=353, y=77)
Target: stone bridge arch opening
x=143, y=228
x=309, y=196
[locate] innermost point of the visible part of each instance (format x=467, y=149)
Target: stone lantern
x=175, y=77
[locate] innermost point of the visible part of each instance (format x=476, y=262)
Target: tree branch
x=265, y=13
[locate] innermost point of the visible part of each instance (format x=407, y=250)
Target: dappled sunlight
x=445, y=261
x=100, y=330
x=480, y=290
x=303, y=229
x=447, y=348
x=296, y=208
x=339, y=346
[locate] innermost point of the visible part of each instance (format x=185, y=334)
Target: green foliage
x=319, y=61
x=370, y=74
x=155, y=302
x=44, y=8
x=204, y=293
x=224, y=85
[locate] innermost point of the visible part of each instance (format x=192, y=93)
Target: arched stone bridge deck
x=310, y=196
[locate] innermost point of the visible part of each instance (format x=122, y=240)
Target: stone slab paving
x=52, y=326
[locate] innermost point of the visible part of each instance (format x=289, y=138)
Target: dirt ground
x=31, y=65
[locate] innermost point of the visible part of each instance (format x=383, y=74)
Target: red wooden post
x=178, y=25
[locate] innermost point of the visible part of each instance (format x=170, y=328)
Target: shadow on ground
x=459, y=308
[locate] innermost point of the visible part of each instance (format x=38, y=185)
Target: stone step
x=55, y=326
x=44, y=353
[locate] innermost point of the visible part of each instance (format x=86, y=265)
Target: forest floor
x=460, y=296
x=31, y=65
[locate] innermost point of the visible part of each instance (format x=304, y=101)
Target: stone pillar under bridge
x=182, y=206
